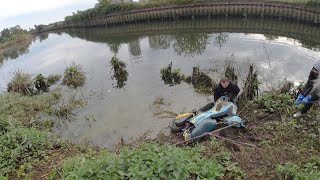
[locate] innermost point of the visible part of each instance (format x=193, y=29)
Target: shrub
x=21, y=83
x=74, y=76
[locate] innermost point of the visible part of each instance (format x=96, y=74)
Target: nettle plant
x=146, y=162
x=275, y=102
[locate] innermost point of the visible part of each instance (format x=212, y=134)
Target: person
x=226, y=88
x=309, y=94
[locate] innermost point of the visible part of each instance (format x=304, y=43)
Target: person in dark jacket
x=309, y=94
x=226, y=88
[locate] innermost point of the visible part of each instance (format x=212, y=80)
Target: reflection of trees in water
x=159, y=41
x=114, y=47
x=119, y=72
x=15, y=51
x=190, y=43
x=43, y=36
x=134, y=47
x=220, y=39
x=189, y=37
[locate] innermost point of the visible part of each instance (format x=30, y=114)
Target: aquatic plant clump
x=74, y=76
x=21, y=83
x=172, y=77
x=119, y=72
x=53, y=78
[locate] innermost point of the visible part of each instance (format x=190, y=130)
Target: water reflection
x=159, y=42
x=190, y=43
x=134, y=47
x=15, y=51
x=191, y=37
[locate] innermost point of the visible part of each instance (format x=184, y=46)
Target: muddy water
x=124, y=106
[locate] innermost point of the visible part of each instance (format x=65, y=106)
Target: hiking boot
x=297, y=115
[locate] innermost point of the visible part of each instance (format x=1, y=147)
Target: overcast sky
x=27, y=13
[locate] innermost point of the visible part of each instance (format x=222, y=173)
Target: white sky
x=29, y=12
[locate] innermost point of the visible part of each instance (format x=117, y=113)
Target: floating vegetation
x=41, y=83
x=74, y=76
x=21, y=83
x=53, y=78
x=251, y=85
x=119, y=72
x=171, y=77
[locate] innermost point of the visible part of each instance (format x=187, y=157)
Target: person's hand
x=306, y=100
x=299, y=99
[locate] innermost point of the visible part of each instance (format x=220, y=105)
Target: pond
x=125, y=104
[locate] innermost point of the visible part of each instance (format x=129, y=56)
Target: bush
x=74, y=76
x=308, y=170
x=21, y=83
x=145, y=162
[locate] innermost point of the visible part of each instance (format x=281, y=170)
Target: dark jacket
x=232, y=90
x=310, y=83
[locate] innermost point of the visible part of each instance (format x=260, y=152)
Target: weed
x=21, y=83
x=74, y=76
x=53, y=78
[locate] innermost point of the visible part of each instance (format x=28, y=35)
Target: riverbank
x=283, y=147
